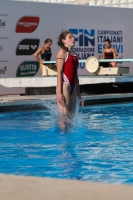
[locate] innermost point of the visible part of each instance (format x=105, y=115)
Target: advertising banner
x=90, y=40
x=25, y=25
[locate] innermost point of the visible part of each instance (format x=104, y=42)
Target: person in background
x=44, y=52
x=108, y=53
x=67, y=78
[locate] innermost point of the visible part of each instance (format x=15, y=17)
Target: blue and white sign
x=116, y=38
x=90, y=40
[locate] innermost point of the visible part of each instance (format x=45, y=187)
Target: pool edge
x=36, y=188
x=32, y=102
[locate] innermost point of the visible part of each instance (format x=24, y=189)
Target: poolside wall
x=36, y=188
x=25, y=25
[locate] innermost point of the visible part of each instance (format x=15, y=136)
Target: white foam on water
x=72, y=121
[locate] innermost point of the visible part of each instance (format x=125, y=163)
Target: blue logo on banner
x=84, y=37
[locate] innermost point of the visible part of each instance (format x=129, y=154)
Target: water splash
x=73, y=121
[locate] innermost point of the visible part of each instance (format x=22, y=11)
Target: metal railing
x=105, y=60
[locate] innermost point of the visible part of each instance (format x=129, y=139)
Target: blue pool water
x=99, y=146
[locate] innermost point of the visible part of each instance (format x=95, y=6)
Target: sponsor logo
x=3, y=70
x=1, y=49
x=4, y=15
x=28, y=68
x=84, y=43
x=84, y=37
x=34, y=47
x=27, y=47
x=2, y=24
x=27, y=24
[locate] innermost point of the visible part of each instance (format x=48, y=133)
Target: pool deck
x=40, y=101
x=51, y=81
x=34, y=188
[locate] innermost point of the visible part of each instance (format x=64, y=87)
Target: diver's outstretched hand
x=61, y=99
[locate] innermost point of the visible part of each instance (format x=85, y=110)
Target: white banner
x=90, y=40
x=25, y=25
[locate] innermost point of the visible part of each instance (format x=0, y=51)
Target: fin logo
x=84, y=37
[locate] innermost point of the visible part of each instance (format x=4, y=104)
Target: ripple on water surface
x=98, y=147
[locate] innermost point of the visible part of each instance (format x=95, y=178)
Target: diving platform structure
x=99, y=75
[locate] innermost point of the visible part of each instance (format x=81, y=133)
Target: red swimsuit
x=70, y=71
